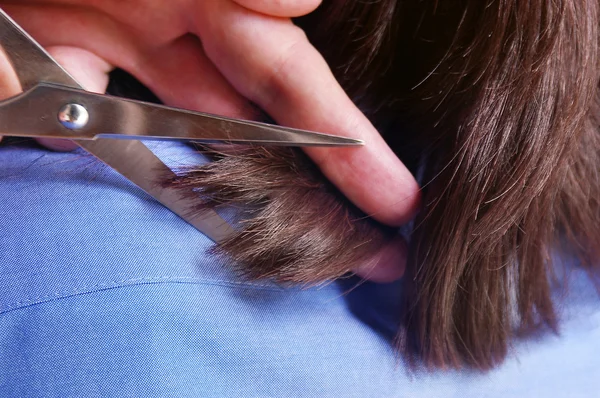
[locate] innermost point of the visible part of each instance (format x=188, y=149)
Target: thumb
x=89, y=70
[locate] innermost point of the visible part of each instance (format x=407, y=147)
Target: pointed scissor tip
x=344, y=141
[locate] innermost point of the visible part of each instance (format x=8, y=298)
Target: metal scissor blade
x=138, y=164
x=107, y=116
x=132, y=159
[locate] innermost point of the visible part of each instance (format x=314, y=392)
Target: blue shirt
x=105, y=293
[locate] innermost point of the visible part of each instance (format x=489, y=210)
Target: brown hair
x=495, y=104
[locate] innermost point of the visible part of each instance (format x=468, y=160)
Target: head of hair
x=494, y=104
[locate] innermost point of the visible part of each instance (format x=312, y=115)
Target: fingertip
x=388, y=265
x=57, y=144
x=406, y=206
x=281, y=8
x=372, y=177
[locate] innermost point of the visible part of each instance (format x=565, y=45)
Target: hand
x=219, y=56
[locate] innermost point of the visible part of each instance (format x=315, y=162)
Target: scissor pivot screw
x=73, y=116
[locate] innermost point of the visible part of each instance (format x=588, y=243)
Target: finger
x=83, y=28
x=89, y=70
x=181, y=76
x=270, y=61
x=281, y=8
x=386, y=266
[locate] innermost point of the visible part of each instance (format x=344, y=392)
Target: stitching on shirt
x=85, y=289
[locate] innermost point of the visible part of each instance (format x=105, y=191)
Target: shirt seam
x=87, y=289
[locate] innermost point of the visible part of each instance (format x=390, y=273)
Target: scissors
x=53, y=104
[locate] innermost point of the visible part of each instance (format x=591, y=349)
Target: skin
x=229, y=57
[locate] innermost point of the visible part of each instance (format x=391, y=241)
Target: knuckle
x=277, y=75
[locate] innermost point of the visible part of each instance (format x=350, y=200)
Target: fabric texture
x=105, y=293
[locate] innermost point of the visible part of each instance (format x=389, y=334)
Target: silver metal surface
x=132, y=159
x=113, y=116
x=73, y=116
